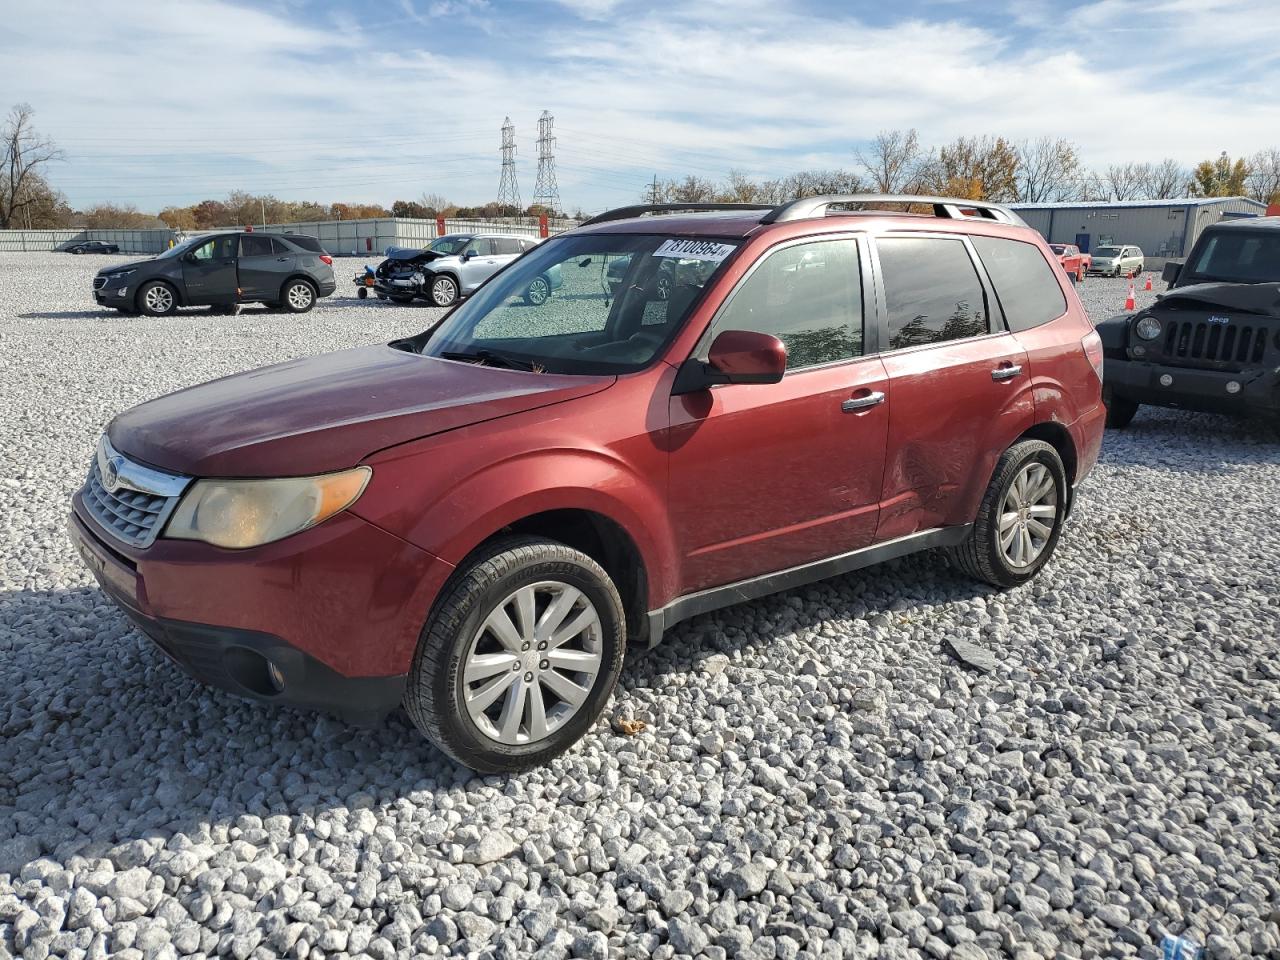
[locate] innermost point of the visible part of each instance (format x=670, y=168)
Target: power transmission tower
x=508, y=189
x=546, y=191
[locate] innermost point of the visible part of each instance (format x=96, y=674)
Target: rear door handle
x=854, y=404
x=1006, y=372
x=283, y=259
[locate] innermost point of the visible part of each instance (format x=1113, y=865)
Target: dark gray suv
x=282, y=270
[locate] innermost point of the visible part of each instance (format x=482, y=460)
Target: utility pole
x=653, y=190
x=508, y=190
x=546, y=191
x=264, y=211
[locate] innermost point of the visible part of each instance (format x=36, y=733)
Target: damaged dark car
x=1212, y=342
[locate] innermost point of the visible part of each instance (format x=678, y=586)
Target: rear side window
x=809, y=296
x=931, y=290
x=507, y=245
x=1026, y=285
x=310, y=244
x=251, y=246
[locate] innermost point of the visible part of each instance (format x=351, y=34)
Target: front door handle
x=854, y=404
x=1007, y=372
x=282, y=259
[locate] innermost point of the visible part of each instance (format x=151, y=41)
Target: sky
x=167, y=102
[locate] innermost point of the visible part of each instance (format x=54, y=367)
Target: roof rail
x=949, y=208
x=625, y=213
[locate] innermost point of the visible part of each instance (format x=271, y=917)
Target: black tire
x=77, y=251
x=435, y=689
x=443, y=290
x=298, y=295
x=538, y=292
x=153, y=302
x=1120, y=412
x=981, y=555
x=362, y=292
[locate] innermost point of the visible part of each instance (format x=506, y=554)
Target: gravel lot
x=818, y=777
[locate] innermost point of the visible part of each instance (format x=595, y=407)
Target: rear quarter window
x=1025, y=283
x=310, y=244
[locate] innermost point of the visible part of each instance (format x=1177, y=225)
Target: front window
x=1108, y=253
x=1238, y=257
x=589, y=304
x=219, y=248
x=447, y=246
x=1057, y=248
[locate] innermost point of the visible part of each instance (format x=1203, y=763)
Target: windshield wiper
x=488, y=357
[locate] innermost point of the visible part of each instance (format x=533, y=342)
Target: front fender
x=1114, y=333
x=472, y=505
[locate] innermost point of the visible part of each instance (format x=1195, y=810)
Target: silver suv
x=454, y=266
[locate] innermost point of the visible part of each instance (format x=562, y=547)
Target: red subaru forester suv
x=715, y=404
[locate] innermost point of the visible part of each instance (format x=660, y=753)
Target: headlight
x=119, y=275
x=1148, y=328
x=248, y=513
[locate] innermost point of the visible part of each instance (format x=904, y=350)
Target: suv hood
x=325, y=413
x=1262, y=298
x=131, y=265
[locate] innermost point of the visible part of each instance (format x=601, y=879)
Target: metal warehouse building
x=1162, y=228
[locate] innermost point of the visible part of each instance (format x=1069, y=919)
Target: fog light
x=1233, y=386
x=122, y=291
x=277, y=678
x=1139, y=350
x=1166, y=380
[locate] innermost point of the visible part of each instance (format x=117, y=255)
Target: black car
x=92, y=246
x=282, y=270
x=1212, y=342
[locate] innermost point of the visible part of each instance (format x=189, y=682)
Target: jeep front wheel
x=1120, y=412
x=519, y=656
x=1020, y=518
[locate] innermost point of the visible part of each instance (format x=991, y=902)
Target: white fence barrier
x=361, y=238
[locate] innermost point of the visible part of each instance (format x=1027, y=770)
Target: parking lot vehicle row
x=475, y=520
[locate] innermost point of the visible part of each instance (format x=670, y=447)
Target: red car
x=474, y=521
x=1074, y=263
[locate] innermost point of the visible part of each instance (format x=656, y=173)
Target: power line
x=546, y=192
x=508, y=189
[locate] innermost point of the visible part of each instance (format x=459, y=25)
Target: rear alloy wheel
x=299, y=296
x=519, y=657
x=1020, y=518
x=444, y=290
x=157, y=299
x=538, y=293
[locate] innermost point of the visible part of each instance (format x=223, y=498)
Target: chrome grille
x=136, y=509
x=99, y=282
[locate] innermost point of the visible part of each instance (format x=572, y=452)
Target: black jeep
x=1212, y=342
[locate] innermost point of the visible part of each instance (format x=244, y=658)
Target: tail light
x=1092, y=344
x=325, y=258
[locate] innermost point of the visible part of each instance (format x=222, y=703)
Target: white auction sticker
x=695, y=250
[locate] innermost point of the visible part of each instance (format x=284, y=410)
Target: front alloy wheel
x=538, y=293
x=518, y=657
x=444, y=291
x=157, y=299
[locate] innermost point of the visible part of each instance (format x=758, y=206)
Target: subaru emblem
x=111, y=475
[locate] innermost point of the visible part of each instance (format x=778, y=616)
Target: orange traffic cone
x=1148, y=286
x=1131, y=301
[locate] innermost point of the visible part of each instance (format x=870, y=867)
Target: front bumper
x=337, y=610
x=113, y=296
x=1194, y=389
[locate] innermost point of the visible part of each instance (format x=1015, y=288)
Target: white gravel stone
x=819, y=777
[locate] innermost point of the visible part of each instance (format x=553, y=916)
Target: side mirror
x=467, y=255
x=744, y=356
x=1171, y=270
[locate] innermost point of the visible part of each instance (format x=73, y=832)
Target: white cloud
x=381, y=110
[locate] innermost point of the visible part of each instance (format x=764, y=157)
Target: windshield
x=183, y=247
x=595, y=303
x=448, y=245
x=1107, y=252
x=1238, y=257
x=1057, y=248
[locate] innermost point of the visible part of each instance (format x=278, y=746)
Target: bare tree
x=1166, y=180
x=1263, y=181
x=1048, y=169
x=1124, y=181
x=24, y=152
x=892, y=162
